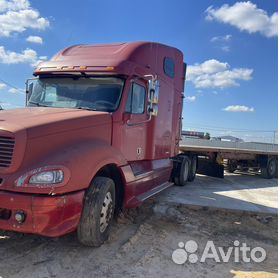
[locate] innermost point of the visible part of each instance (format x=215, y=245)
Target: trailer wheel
x=270, y=171
x=232, y=166
x=182, y=173
x=98, y=211
x=193, y=168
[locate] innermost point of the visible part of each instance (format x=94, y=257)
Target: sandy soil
x=142, y=244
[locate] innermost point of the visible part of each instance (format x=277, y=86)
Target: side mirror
x=153, y=97
x=153, y=111
x=154, y=91
x=29, y=88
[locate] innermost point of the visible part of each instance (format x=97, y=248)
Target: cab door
x=135, y=126
x=135, y=139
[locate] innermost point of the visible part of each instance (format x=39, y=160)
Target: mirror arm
x=153, y=77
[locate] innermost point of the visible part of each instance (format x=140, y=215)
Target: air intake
x=6, y=151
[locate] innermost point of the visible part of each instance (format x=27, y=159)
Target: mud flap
x=210, y=168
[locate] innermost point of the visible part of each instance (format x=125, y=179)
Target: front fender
x=83, y=160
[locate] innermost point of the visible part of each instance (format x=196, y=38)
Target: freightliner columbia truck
x=101, y=131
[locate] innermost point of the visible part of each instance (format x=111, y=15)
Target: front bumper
x=45, y=215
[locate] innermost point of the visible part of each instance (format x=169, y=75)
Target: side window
x=169, y=67
x=136, y=99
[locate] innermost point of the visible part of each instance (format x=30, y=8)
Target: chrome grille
x=6, y=151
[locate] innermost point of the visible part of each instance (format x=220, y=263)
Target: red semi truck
x=92, y=139
x=100, y=132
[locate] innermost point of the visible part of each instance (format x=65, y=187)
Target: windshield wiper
x=37, y=104
x=86, y=108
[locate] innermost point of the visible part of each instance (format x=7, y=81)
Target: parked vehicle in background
x=192, y=134
x=101, y=132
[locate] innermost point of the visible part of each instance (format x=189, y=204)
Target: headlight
x=47, y=177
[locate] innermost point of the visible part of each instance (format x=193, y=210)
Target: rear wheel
x=193, y=168
x=98, y=211
x=182, y=172
x=270, y=171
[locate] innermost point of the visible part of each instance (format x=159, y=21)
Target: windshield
x=91, y=93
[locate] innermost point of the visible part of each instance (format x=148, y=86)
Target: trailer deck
x=205, y=146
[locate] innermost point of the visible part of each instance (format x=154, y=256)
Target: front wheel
x=98, y=211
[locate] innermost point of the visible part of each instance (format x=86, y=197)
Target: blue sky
x=230, y=48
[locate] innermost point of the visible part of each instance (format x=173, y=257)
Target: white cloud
x=239, y=108
x=246, y=17
x=222, y=41
x=8, y=105
x=34, y=39
x=14, y=90
x=2, y=86
x=225, y=38
x=17, y=16
x=13, y=5
x=26, y=56
x=215, y=74
x=225, y=48
x=38, y=61
x=190, y=98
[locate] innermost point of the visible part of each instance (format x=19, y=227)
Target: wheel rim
x=186, y=169
x=272, y=167
x=106, y=212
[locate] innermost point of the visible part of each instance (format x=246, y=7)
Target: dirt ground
x=142, y=244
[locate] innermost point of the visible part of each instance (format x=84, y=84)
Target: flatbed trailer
x=214, y=155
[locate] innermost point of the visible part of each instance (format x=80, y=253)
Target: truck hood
x=40, y=121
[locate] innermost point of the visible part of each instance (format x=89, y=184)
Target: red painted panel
x=50, y=216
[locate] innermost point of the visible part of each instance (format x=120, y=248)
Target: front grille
x=6, y=151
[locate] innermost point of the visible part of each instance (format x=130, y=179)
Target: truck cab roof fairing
x=134, y=58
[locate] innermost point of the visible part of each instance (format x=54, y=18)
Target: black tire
x=270, y=171
x=97, y=214
x=232, y=166
x=182, y=172
x=192, y=168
